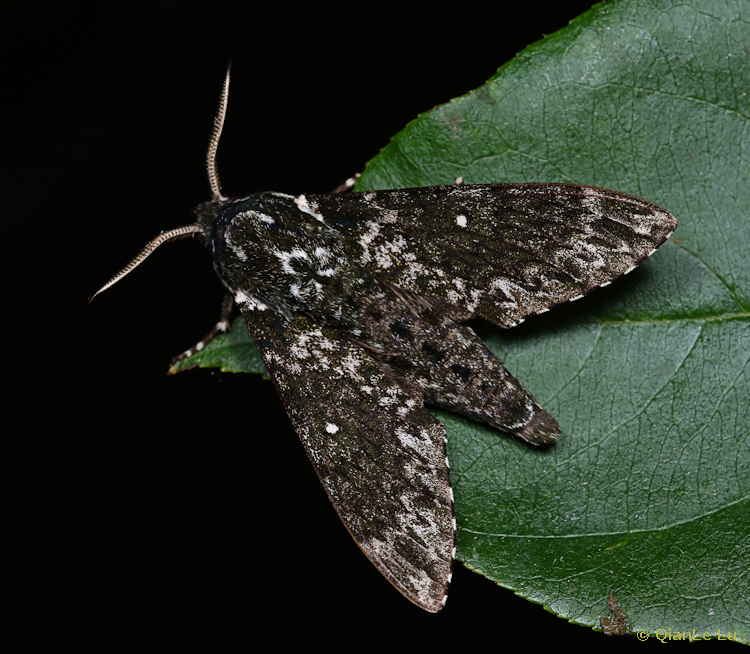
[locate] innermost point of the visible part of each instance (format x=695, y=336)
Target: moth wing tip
x=541, y=430
x=434, y=604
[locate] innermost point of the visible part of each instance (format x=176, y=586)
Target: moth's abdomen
x=510, y=407
x=452, y=366
x=458, y=372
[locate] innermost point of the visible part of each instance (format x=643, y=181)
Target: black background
x=156, y=509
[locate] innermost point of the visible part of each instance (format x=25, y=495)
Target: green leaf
x=230, y=352
x=647, y=492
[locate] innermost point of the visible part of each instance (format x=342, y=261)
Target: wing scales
x=378, y=452
x=501, y=251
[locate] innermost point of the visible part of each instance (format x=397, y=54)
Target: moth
x=357, y=302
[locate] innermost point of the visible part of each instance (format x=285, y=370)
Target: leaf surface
x=647, y=492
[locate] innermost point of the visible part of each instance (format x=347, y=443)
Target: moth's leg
x=220, y=327
x=346, y=186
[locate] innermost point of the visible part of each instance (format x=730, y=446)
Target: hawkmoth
x=357, y=303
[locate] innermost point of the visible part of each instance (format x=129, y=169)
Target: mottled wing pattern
x=377, y=450
x=501, y=251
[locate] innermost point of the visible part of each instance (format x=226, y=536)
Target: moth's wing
x=377, y=450
x=501, y=251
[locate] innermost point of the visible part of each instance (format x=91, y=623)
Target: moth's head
x=206, y=213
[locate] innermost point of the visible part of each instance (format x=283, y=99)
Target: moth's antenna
x=172, y=234
x=213, y=179
x=213, y=144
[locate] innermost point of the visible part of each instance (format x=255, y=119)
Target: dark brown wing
x=501, y=251
x=379, y=453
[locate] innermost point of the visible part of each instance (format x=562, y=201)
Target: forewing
x=501, y=251
x=377, y=450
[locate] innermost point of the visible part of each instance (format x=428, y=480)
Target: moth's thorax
x=274, y=252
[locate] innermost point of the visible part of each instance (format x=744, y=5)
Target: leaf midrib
x=644, y=530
